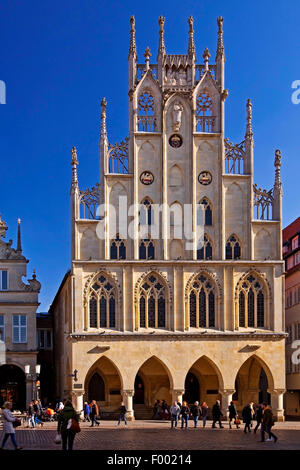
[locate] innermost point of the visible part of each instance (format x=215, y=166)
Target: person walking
x=259, y=416
x=67, y=435
x=94, y=413
x=30, y=415
x=204, y=413
x=8, y=427
x=86, y=412
x=216, y=414
x=164, y=410
x=174, y=411
x=122, y=416
x=155, y=409
x=195, y=412
x=233, y=415
x=267, y=423
x=247, y=417
x=185, y=411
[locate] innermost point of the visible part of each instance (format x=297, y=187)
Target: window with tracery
x=146, y=113
x=146, y=212
x=207, y=210
x=205, y=249
x=202, y=303
x=146, y=249
x=233, y=248
x=118, y=248
x=152, y=303
x=102, y=304
x=251, y=303
x=204, y=119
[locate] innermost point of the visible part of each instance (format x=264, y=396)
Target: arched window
x=146, y=249
x=204, y=119
x=233, y=248
x=202, y=303
x=146, y=212
x=205, y=249
x=251, y=303
x=146, y=113
x=118, y=248
x=102, y=303
x=152, y=303
x=206, y=208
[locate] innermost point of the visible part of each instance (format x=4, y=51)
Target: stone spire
x=74, y=164
x=191, y=48
x=3, y=227
x=249, y=132
x=103, y=132
x=206, y=56
x=147, y=56
x=132, y=45
x=19, y=245
x=161, y=46
x=277, y=164
x=220, y=46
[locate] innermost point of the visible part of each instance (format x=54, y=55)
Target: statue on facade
x=177, y=115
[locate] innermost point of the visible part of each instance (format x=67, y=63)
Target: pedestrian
x=174, y=411
x=247, y=417
x=86, y=412
x=122, y=416
x=195, y=413
x=94, y=413
x=185, y=411
x=204, y=413
x=67, y=435
x=8, y=427
x=37, y=413
x=216, y=414
x=233, y=415
x=164, y=410
x=267, y=423
x=30, y=415
x=259, y=415
x=155, y=409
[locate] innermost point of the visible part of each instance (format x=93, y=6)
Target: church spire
x=132, y=45
x=19, y=245
x=161, y=46
x=191, y=48
x=74, y=164
x=249, y=132
x=103, y=132
x=220, y=46
x=277, y=164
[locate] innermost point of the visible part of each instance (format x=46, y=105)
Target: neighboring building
x=44, y=330
x=166, y=318
x=291, y=254
x=18, y=305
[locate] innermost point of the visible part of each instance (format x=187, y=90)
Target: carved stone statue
x=177, y=114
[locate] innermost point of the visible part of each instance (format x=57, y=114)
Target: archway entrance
x=138, y=398
x=202, y=383
x=103, y=384
x=13, y=386
x=252, y=383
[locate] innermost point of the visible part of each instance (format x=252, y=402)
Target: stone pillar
x=277, y=403
x=226, y=399
x=78, y=402
x=128, y=402
x=177, y=395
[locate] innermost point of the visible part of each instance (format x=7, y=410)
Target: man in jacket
x=267, y=423
x=259, y=415
x=247, y=417
x=216, y=414
x=175, y=412
x=94, y=413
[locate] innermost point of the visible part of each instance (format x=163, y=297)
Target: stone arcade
x=147, y=318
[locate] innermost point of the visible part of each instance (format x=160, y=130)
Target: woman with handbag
x=10, y=422
x=233, y=415
x=68, y=425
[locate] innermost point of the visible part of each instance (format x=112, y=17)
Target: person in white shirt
x=8, y=428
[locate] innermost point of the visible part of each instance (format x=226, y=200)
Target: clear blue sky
x=58, y=58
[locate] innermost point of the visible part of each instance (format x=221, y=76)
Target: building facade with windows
x=291, y=254
x=192, y=309
x=18, y=305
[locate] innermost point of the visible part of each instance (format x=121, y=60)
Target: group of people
x=195, y=411
x=91, y=413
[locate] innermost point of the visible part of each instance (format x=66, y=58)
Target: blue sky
x=58, y=58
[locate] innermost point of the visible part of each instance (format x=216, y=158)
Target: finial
x=103, y=132
x=19, y=245
x=220, y=46
x=74, y=164
x=147, y=56
x=277, y=164
x=206, y=56
x=132, y=45
x=249, y=132
x=191, y=48
x=3, y=227
x=161, y=46
x=33, y=274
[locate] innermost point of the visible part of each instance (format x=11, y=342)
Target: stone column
x=277, y=403
x=78, y=402
x=177, y=395
x=128, y=402
x=226, y=399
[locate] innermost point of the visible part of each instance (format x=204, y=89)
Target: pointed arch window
x=207, y=212
x=233, y=248
x=152, y=303
x=146, y=113
x=204, y=119
x=205, y=249
x=202, y=303
x=146, y=249
x=118, y=248
x=102, y=303
x=146, y=212
x=251, y=303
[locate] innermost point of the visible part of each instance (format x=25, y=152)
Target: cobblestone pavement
x=157, y=435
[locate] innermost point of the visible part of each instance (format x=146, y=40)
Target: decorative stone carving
x=177, y=115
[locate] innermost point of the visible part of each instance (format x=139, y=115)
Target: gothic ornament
x=177, y=115
x=146, y=178
x=175, y=141
x=205, y=178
